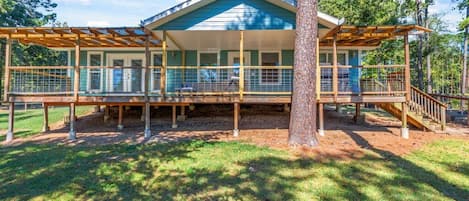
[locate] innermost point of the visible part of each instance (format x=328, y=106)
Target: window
x=94, y=74
x=326, y=59
x=156, y=72
x=208, y=59
x=270, y=76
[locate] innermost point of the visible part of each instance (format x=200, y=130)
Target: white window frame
x=210, y=52
x=127, y=57
x=152, y=71
x=279, y=70
x=101, y=71
x=332, y=62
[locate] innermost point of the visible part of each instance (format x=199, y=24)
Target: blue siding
x=235, y=15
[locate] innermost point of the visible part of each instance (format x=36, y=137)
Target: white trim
x=127, y=57
x=101, y=72
x=279, y=64
x=210, y=52
x=321, y=51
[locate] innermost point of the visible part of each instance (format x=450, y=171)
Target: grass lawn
x=30, y=122
x=199, y=170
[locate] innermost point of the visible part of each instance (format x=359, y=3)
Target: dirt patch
x=260, y=125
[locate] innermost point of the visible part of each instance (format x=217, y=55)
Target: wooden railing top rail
x=39, y=67
x=429, y=96
x=383, y=66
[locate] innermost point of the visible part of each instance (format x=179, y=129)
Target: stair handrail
x=429, y=106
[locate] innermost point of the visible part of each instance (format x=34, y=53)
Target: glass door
x=126, y=76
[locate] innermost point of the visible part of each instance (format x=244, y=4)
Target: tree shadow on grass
x=199, y=170
x=412, y=174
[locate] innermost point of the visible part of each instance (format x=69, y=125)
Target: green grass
x=30, y=122
x=199, y=170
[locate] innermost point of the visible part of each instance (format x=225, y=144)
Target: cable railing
x=202, y=80
x=378, y=80
x=44, y=80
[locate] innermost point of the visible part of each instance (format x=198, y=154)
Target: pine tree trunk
x=302, y=129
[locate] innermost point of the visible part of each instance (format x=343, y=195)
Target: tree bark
x=302, y=129
x=464, y=67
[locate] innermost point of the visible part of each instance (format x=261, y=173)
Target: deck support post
x=120, y=125
x=286, y=108
x=183, y=116
x=72, y=134
x=147, y=132
x=357, y=112
x=236, y=120
x=11, y=123
x=107, y=112
x=46, y=127
x=404, y=129
x=321, y=119
x=7, y=69
x=174, y=117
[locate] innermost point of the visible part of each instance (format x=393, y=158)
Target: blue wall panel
x=235, y=15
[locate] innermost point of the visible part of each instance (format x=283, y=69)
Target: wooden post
x=407, y=67
x=174, y=117
x=45, y=127
x=236, y=120
x=11, y=123
x=7, y=69
x=182, y=117
x=443, y=118
x=335, y=70
x=164, y=65
x=404, y=129
x=321, y=119
x=72, y=135
x=107, y=112
x=241, y=65
x=76, y=77
x=120, y=125
x=357, y=112
x=318, y=72
x=146, y=110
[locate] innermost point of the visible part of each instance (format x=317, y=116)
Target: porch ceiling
x=229, y=40
x=89, y=37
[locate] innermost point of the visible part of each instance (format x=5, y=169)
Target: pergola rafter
x=89, y=36
x=346, y=35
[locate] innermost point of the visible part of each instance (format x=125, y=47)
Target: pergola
x=347, y=35
x=86, y=36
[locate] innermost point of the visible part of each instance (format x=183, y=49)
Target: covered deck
x=156, y=83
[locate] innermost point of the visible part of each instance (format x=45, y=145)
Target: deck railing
x=376, y=80
x=44, y=80
x=202, y=80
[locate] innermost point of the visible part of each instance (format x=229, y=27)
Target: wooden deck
x=176, y=100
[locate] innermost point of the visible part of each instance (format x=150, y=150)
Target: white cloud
x=98, y=23
x=451, y=15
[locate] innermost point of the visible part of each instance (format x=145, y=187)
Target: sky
x=131, y=12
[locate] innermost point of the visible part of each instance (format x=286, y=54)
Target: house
x=211, y=52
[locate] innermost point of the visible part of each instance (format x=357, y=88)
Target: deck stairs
x=424, y=111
